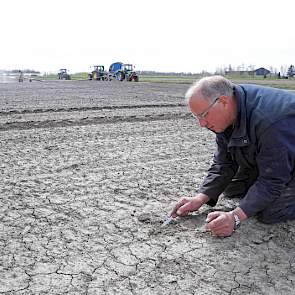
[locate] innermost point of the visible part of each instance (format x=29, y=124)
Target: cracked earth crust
x=88, y=173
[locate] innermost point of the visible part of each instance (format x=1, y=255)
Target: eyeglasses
x=203, y=115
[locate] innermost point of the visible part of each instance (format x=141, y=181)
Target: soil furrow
x=82, y=109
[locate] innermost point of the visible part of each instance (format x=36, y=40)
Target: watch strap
x=237, y=221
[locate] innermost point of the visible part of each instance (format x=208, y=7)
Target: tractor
x=121, y=72
x=63, y=75
x=98, y=74
x=129, y=73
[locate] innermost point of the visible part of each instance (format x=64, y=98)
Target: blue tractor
x=120, y=71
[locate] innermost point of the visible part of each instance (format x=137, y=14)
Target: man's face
x=213, y=115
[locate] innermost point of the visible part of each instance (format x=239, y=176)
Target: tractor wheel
x=120, y=76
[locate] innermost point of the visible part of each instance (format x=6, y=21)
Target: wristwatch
x=237, y=221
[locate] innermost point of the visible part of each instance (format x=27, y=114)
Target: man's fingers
x=179, y=204
x=218, y=228
x=221, y=233
x=187, y=205
x=212, y=216
x=220, y=224
x=215, y=223
x=184, y=209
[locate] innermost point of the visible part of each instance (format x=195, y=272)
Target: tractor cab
x=99, y=68
x=63, y=75
x=98, y=73
x=129, y=73
x=128, y=67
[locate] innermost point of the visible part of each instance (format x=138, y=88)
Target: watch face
x=237, y=221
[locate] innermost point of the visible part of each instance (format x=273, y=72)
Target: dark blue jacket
x=261, y=142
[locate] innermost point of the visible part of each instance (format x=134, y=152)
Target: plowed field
x=89, y=170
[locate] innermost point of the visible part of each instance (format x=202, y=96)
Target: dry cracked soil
x=89, y=170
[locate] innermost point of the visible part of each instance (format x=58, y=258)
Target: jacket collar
x=239, y=135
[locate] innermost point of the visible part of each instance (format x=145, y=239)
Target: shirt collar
x=239, y=136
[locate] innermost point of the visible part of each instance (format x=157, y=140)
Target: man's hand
x=187, y=205
x=221, y=224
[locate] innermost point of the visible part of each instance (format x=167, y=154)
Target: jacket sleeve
x=275, y=161
x=222, y=170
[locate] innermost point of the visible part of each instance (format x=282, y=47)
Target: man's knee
x=240, y=184
x=267, y=218
x=273, y=215
x=236, y=189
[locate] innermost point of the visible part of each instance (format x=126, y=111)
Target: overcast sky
x=181, y=36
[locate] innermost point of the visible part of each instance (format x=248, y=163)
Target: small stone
x=144, y=217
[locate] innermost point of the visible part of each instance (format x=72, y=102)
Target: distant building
x=258, y=72
x=261, y=72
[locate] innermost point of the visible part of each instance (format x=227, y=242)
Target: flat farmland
x=89, y=170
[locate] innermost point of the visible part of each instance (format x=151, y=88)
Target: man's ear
x=224, y=100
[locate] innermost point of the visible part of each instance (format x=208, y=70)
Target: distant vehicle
x=21, y=76
x=121, y=72
x=98, y=74
x=63, y=75
x=129, y=72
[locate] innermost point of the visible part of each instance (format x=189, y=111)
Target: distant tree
x=291, y=71
x=250, y=70
x=271, y=69
x=219, y=71
x=283, y=70
x=251, y=67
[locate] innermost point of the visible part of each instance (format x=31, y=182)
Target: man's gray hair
x=210, y=88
